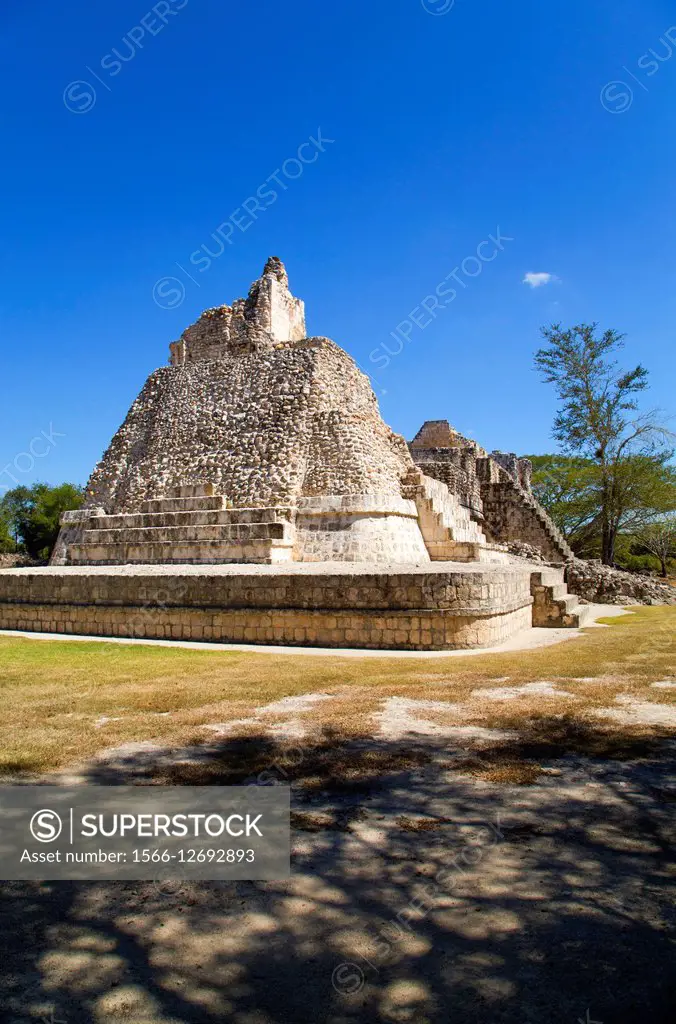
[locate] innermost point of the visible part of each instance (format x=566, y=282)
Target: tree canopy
x=571, y=489
x=29, y=517
x=615, y=471
x=659, y=539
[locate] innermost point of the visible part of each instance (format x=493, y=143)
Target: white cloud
x=538, y=280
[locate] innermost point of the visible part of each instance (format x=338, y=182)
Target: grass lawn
x=567, y=916
x=64, y=701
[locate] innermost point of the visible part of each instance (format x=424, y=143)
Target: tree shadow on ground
x=418, y=894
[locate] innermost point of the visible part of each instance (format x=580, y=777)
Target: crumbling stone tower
x=259, y=444
x=269, y=316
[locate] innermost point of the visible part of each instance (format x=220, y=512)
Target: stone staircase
x=190, y=525
x=449, y=532
x=513, y=513
x=553, y=606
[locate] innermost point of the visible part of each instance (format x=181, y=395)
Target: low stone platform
x=435, y=606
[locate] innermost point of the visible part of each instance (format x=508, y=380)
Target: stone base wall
x=424, y=631
x=359, y=528
x=406, y=610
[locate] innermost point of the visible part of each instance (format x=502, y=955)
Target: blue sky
x=550, y=122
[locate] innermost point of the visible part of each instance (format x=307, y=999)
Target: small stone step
x=191, y=491
x=192, y=504
x=452, y=551
x=493, y=554
x=551, y=577
x=241, y=534
x=227, y=517
x=202, y=553
x=553, y=606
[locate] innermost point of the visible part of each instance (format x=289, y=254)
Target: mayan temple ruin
x=254, y=494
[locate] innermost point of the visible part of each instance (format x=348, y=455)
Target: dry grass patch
x=422, y=824
x=504, y=770
x=331, y=762
x=320, y=821
x=544, y=738
x=54, y=693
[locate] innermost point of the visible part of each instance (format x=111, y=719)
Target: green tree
x=12, y=505
x=599, y=421
x=7, y=542
x=33, y=514
x=566, y=487
x=571, y=489
x=659, y=539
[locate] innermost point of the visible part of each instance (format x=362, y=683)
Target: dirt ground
x=501, y=855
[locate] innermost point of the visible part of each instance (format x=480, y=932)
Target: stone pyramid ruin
x=254, y=494
x=259, y=444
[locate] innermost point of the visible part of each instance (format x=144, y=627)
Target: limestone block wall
x=495, y=487
x=237, y=424
x=520, y=470
x=359, y=528
x=455, y=467
x=438, y=434
x=395, y=610
x=73, y=526
x=512, y=513
x=349, y=449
